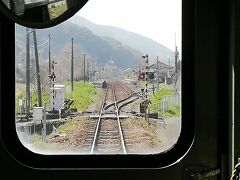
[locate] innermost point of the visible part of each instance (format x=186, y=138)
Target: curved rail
x=119, y=124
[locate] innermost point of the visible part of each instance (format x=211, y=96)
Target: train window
x=113, y=84
x=101, y=83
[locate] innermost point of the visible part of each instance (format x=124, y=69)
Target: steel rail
x=125, y=87
x=119, y=124
x=98, y=123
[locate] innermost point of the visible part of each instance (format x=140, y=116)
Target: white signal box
x=57, y=99
x=37, y=113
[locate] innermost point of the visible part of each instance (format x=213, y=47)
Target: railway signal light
x=141, y=76
x=151, y=75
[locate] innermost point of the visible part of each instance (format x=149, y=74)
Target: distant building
x=130, y=75
x=166, y=72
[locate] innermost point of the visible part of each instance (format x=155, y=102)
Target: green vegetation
x=83, y=94
x=144, y=124
x=158, y=96
x=154, y=140
x=40, y=145
x=34, y=100
x=69, y=126
x=173, y=112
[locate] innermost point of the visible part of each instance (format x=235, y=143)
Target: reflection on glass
x=57, y=8
x=86, y=88
x=37, y=10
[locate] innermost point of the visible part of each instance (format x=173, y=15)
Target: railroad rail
x=108, y=137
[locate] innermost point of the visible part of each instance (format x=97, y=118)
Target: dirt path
x=168, y=131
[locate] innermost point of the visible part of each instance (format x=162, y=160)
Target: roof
x=161, y=65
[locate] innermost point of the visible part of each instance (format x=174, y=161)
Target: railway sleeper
x=107, y=137
x=106, y=141
x=110, y=131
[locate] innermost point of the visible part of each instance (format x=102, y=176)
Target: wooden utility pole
x=157, y=73
x=176, y=56
x=49, y=54
x=84, y=67
x=27, y=73
x=88, y=69
x=100, y=71
x=37, y=69
x=72, y=66
x=176, y=60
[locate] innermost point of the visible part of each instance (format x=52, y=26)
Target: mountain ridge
x=136, y=41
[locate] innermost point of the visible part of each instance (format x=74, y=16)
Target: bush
x=158, y=96
x=172, y=112
x=83, y=95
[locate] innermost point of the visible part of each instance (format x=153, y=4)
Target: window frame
x=171, y=156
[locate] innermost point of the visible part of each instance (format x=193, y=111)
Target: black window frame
x=24, y=156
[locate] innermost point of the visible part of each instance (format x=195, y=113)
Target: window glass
x=107, y=81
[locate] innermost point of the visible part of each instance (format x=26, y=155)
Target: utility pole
x=37, y=69
x=88, y=69
x=157, y=73
x=146, y=77
x=176, y=60
x=49, y=54
x=100, y=71
x=53, y=77
x=176, y=56
x=72, y=66
x=27, y=73
x=84, y=68
x=49, y=65
x=139, y=65
x=146, y=101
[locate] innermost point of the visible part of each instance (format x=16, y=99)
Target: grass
x=144, y=124
x=83, y=94
x=69, y=126
x=154, y=139
x=34, y=100
x=40, y=145
x=158, y=96
x=172, y=112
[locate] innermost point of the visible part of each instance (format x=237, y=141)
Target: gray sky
x=156, y=19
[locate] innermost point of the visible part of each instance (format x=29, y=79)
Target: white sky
x=156, y=19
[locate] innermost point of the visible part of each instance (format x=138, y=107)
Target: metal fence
x=169, y=102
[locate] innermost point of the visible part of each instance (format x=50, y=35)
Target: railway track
x=105, y=134
x=108, y=138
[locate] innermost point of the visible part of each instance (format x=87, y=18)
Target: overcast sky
x=156, y=19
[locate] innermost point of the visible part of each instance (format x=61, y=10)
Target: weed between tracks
x=70, y=135
x=73, y=133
